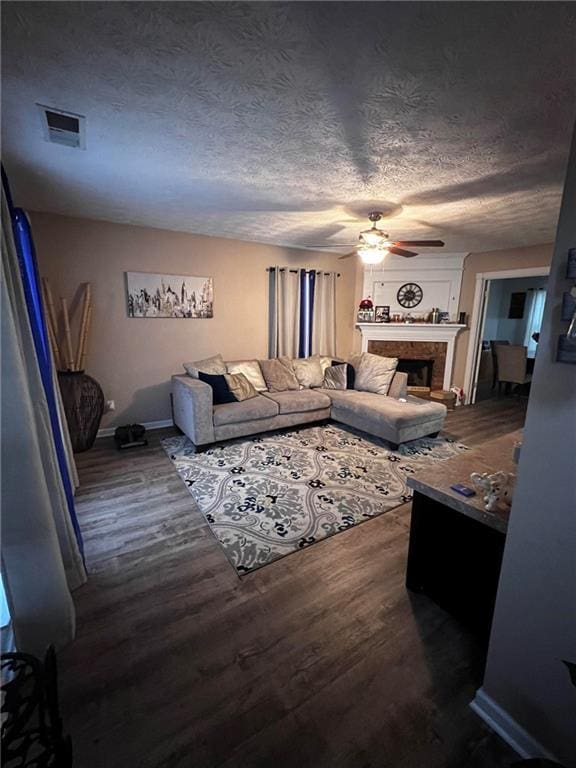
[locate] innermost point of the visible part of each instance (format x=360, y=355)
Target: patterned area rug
x=266, y=497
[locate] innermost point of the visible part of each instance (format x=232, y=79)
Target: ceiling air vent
x=63, y=127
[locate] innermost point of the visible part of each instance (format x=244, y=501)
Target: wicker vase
x=84, y=405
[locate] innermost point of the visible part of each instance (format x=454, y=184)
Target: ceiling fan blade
x=421, y=243
x=334, y=245
x=347, y=255
x=401, y=252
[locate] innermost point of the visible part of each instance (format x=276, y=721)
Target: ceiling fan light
x=372, y=255
x=372, y=236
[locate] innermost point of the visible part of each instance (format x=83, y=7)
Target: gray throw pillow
x=239, y=386
x=308, y=371
x=214, y=366
x=278, y=375
x=335, y=377
x=251, y=369
x=374, y=373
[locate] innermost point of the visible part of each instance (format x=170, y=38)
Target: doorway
x=508, y=308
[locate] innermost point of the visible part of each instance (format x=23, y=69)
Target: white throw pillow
x=215, y=366
x=251, y=369
x=308, y=371
x=375, y=373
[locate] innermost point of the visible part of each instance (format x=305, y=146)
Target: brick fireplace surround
x=415, y=341
x=415, y=350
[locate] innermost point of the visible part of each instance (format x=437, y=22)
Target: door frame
x=477, y=321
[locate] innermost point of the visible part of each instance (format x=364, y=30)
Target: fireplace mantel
x=443, y=332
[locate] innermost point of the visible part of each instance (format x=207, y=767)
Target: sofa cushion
x=374, y=373
x=299, y=402
x=251, y=369
x=214, y=365
x=350, y=371
x=239, y=386
x=258, y=407
x=220, y=391
x=369, y=405
x=335, y=377
x=308, y=371
x=279, y=375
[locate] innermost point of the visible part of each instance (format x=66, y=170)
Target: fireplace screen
x=419, y=372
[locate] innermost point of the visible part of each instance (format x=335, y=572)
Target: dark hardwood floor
x=322, y=659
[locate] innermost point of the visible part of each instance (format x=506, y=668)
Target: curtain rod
x=317, y=271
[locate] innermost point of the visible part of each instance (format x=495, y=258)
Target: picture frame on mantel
x=382, y=314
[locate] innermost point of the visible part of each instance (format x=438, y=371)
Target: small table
x=456, y=547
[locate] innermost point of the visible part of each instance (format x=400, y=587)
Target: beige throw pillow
x=239, y=386
x=213, y=365
x=308, y=371
x=325, y=362
x=251, y=369
x=374, y=373
x=278, y=375
x=335, y=377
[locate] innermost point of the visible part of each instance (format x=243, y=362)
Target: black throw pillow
x=350, y=373
x=220, y=391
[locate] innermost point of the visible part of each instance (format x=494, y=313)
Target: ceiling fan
x=374, y=244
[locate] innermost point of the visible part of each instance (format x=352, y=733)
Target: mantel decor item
x=366, y=311
x=176, y=296
x=82, y=396
x=382, y=314
x=409, y=295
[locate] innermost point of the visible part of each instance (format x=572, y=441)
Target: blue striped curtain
x=29, y=272
x=307, y=282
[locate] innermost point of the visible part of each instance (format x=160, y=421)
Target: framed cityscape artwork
x=179, y=296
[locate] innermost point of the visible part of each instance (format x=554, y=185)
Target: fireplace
x=423, y=361
x=419, y=372
x=432, y=343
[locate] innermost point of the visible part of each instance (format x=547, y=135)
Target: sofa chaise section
x=394, y=420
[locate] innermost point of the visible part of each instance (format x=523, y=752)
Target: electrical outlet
x=110, y=405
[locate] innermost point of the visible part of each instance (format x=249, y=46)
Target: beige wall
x=133, y=358
x=491, y=261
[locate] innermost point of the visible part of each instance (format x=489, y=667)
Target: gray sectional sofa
x=395, y=417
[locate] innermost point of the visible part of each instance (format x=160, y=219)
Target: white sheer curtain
x=535, y=314
x=324, y=314
x=41, y=563
x=284, y=312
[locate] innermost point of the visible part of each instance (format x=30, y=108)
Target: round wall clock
x=409, y=295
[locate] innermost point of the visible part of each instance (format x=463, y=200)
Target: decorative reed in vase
x=82, y=396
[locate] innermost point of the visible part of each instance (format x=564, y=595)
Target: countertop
x=493, y=456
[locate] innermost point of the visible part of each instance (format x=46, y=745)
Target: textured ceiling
x=288, y=122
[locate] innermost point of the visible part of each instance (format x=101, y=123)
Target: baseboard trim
x=498, y=720
x=109, y=431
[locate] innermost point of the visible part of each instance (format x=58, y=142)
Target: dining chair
x=512, y=365
x=493, y=344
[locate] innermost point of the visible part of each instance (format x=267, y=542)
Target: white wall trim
x=109, y=431
x=476, y=320
x=507, y=728
x=432, y=271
